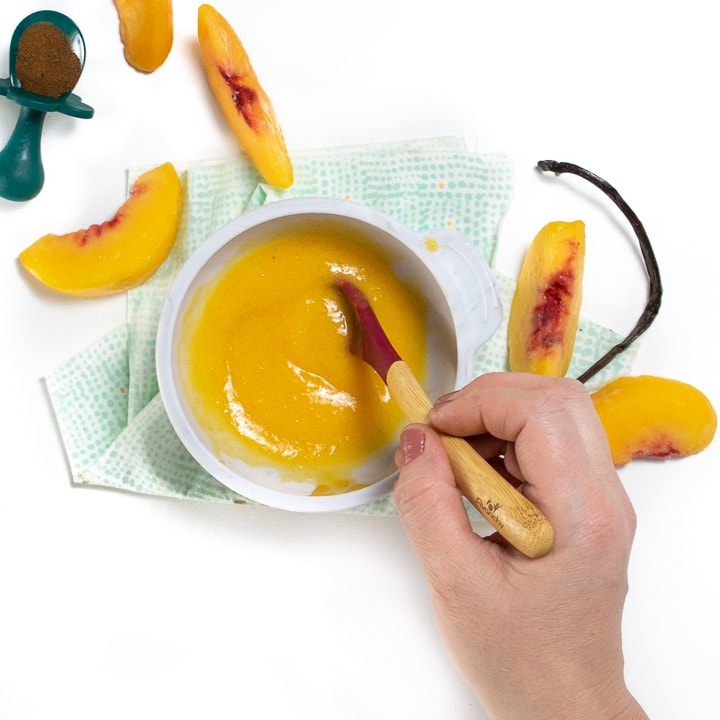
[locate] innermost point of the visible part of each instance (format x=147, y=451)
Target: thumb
x=429, y=503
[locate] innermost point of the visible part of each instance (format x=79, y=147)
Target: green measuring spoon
x=21, y=170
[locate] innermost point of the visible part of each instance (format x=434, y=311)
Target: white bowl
x=464, y=311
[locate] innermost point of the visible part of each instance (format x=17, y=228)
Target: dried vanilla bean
x=651, y=265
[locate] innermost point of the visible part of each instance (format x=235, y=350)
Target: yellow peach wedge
x=654, y=417
x=146, y=30
x=242, y=100
x=118, y=254
x=545, y=310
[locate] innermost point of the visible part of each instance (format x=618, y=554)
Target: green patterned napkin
x=111, y=418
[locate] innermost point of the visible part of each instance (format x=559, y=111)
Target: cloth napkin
x=105, y=398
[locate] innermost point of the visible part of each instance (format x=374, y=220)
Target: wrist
x=632, y=711
x=600, y=702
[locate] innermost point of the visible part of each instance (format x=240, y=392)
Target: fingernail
x=447, y=397
x=412, y=443
x=437, y=409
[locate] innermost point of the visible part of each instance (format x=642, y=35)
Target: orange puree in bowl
x=268, y=370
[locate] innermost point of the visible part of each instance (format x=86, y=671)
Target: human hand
x=535, y=639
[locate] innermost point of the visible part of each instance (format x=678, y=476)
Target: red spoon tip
x=369, y=338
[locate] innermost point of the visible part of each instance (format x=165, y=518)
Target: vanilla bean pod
x=654, y=298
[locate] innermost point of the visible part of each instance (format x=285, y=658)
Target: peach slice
x=118, y=254
x=146, y=30
x=244, y=103
x=654, y=417
x=545, y=309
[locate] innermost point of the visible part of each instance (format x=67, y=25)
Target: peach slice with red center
x=654, y=417
x=120, y=253
x=146, y=30
x=242, y=100
x=545, y=310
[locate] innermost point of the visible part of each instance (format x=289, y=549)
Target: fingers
x=498, y=403
x=556, y=444
x=429, y=504
x=552, y=442
x=542, y=412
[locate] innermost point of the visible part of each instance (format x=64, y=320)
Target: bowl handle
x=470, y=290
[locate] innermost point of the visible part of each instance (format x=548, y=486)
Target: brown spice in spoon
x=45, y=63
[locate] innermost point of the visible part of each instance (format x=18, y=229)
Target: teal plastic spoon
x=21, y=169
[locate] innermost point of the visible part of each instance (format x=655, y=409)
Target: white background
x=119, y=606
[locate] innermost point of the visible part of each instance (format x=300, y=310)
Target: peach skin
x=118, y=254
x=545, y=309
x=146, y=30
x=242, y=100
x=654, y=417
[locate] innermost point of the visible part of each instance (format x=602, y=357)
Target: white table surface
x=116, y=606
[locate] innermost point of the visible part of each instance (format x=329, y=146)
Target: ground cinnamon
x=45, y=62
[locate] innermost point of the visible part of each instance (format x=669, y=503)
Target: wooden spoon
x=504, y=507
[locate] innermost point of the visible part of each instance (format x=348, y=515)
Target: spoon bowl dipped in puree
x=265, y=349
x=253, y=353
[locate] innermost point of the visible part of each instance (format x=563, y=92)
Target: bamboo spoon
x=504, y=507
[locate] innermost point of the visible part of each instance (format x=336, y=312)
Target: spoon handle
x=21, y=169
x=504, y=507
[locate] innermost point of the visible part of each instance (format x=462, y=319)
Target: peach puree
x=265, y=346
